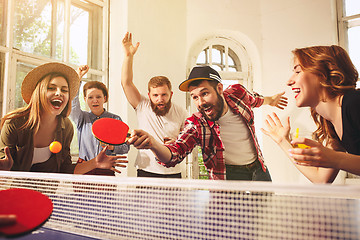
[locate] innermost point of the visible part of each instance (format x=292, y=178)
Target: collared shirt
x=206, y=134
x=89, y=146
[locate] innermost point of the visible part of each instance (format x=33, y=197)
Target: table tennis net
x=147, y=208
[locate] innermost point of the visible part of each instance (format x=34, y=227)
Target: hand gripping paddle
x=30, y=207
x=110, y=131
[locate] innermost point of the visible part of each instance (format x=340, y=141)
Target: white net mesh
x=139, y=208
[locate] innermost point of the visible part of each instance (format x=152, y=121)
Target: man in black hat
x=223, y=127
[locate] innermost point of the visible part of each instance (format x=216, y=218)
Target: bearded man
x=156, y=114
x=223, y=127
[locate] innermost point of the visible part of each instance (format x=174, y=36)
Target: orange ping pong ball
x=55, y=147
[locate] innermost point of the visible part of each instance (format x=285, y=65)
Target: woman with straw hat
x=27, y=132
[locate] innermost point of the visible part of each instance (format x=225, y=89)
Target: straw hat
x=200, y=73
x=38, y=73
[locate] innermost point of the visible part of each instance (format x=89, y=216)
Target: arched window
x=228, y=57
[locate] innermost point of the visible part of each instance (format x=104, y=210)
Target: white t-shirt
x=235, y=135
x=41, y=155
x=159, y=127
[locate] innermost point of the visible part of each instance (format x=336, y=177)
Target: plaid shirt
x=204, y=133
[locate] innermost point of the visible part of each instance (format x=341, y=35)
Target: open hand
x=82, y=70
x=278, y=100
x=7, y=162
x=109, y=162
x=276, y=130
x=128, y=46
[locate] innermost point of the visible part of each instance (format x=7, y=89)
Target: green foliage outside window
x=203, y=173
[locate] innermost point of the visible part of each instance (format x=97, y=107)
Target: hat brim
x=184, y=86
x=34, y=76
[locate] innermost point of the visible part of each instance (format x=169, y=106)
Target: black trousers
x=142, y=173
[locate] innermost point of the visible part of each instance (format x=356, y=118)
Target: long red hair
x=337, y=75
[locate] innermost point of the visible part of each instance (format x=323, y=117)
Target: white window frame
x=343, y=27
x=344, y=23
x=12, y=56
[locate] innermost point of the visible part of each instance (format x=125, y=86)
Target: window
x=349, y=29
x=33, y=32
x=223, y=58
x=349, y=34
x=2, y=21
x=231, y=60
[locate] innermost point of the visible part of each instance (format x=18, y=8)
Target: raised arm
x=280, y=134
x=278, y=100
x=131, y=92
x=76, y=112
x=82, y=70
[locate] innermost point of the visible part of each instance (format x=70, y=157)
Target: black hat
x=200, y=73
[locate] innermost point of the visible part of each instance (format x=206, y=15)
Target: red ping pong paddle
x=32, y=209
x=110, y=131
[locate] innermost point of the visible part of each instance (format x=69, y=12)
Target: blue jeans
x=250, y=172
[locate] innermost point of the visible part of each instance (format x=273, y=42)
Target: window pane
x=86, y=27
x=59, y=52
x=21, y=70
x=2, y=62
x=79, y=32
x=227, y=83
x=232, y=69
x=235, y=61
x=230, y=61
x=201, y=58
x=352, y=7
x=216, y=56
x=2, y=22
x=33, y=27
x=354, y=47
x=217, y=68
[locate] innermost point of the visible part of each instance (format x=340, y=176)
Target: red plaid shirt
x=204, y=133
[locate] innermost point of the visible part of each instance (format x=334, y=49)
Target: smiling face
x=95, y=99
x=160, y=99
x=57, y=95
x=306, y=87
x=208, y=100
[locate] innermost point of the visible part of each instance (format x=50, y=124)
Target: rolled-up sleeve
x=183, y=145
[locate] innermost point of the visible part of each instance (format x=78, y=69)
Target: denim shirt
x=89, y=146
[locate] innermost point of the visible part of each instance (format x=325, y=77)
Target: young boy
x=95, y=95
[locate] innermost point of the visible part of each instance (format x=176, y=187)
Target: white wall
x=167, y=30
x=159, y=26
x=287, y=25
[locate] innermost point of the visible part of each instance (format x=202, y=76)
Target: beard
x=162, y=111
x=218, y=109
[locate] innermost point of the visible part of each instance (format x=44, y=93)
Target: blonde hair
x=337, y=75
x=37, y=104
